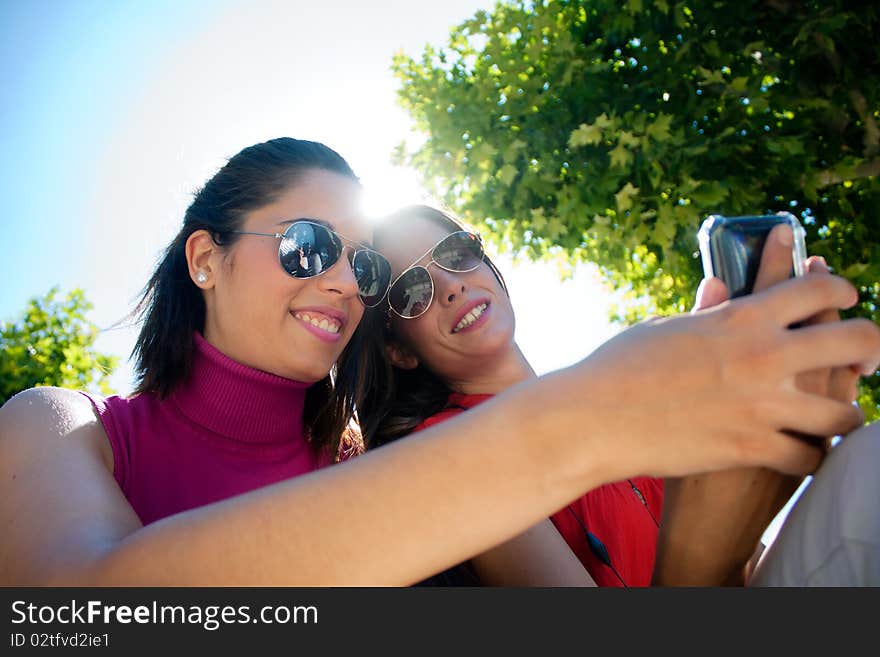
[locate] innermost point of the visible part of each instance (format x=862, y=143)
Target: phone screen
x=737, y=255
x=732, y=248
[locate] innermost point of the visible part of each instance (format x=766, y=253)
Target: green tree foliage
x=606, y=131
x=52, y=345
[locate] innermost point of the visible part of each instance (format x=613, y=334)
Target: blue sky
x=70, y=72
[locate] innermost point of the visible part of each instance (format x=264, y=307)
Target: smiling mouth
x=322, y=322
x=471, y=317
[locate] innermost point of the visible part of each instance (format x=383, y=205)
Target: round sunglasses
x=309, y=248
x=411, y=293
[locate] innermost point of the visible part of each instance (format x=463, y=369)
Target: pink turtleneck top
x=227, y=430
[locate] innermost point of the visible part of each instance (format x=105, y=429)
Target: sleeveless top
x=228, y=429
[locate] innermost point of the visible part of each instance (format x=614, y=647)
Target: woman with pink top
x=250, y=369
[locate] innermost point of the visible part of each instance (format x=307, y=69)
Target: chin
x=303, y=372
x=498, y=339
x=491, y=346
x=307, y=376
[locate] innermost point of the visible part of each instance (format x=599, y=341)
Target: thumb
x=712, y=291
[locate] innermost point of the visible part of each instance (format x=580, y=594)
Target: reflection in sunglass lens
x=411, y=294
x=308, y=249
x=459, y=252
x=372, y=273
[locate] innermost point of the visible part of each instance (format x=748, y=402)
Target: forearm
x=390, y=517
x=537, y=557
x=712, y=524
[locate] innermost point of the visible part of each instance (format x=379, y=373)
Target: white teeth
x=324, y=323
x=470, y=318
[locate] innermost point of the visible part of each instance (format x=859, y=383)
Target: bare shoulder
x=59, y=502
x=37, y=419
x=58, y=406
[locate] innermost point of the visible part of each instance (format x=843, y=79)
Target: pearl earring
x=201, y=277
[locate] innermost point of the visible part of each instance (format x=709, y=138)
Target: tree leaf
x=739, y=85
x=855, y=270
x=585, y=135
x=539, y=221
x=627, y=139
x=603, y=121
x=620, y=157
x=624, y=197
x=507, y=174
x=659, y=129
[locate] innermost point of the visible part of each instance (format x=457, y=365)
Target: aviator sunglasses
x=309, y=249
x=412, y=292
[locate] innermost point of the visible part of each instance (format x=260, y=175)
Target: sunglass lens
x=373, y=273
x=411, y=293
x=459, y=252
x=308, y=249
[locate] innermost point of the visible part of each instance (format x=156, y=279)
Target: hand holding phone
x=729, y=509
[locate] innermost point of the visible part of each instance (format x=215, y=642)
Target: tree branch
x=872, y=132
x=866, y=169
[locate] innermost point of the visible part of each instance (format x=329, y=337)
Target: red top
x=614, y=514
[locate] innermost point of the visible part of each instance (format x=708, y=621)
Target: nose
x=447, y=285
x=340, y=279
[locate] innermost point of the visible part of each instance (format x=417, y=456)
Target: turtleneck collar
x=239, y=402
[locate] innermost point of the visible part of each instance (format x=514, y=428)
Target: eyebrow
x=327, y=225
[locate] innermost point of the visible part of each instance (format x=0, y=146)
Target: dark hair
x=398, y=400
x=171, y=307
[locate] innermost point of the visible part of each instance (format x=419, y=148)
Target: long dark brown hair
x=172, y=308
x=397, y=400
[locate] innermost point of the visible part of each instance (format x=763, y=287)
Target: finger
x=841, y=344
x=817, y=416
x=823, y=317
x=775, y=258
x=784, y=453
x=799, y=298
x=712, y=291
x=817, y=265
x=843, y=383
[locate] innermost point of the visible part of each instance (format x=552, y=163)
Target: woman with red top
x=455, y=350
x=250, y=367
x=449, y=345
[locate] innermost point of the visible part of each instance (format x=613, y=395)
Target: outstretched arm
x=640, y=404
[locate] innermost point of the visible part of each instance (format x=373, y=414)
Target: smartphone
x=731, y=248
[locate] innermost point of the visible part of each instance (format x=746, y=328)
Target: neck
x=493, y=376
x=238, y=402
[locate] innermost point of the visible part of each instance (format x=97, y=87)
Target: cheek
x=507, y=307
x=355, y=316
x=258, y=295
x=421, y=336
x=262, y=274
